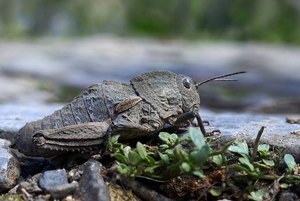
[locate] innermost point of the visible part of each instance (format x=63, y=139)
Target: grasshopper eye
x=187, y=82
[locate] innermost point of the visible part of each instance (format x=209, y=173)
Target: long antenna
x=219, y=78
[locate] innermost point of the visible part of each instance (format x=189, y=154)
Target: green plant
x=190, y=154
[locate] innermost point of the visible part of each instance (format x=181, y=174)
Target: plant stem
x=260, y=132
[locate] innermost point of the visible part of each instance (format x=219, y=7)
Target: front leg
x=129, y=128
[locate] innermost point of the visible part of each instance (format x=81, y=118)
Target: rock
x=56, y=183
x=245, y=126
x=30, y=185
x=288, y=196
x=92, y=186
x=9, y=167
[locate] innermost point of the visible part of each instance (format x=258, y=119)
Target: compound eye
x=187, y=82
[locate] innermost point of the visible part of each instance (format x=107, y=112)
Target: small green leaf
x=186, y=167
x=290, y=162
x=179, y=153
x=126, y=150
x=134, y=157
x=268, y=162
x=197, y=137
x=169, y=139
x=150, y=170
x=263, y=150
x=199, y=157
x=121, y=158
x=284, y=185
x=258, y=195
x=114, y=138
x=150, y=160
x=141, y=150
x=169, y=152
x=164, y=136
x=245, y=161
x=218, y=160
x=164, y=157
x=123, y=169
x=263, y=147
x=173, y=139
x=199, y=174
x=215, y=192
x=164, y=146
x=240, y=148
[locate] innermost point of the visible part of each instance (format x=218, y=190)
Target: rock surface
x=9, y=167
x=245, y=126
x=92, y=186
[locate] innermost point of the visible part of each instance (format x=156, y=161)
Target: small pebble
x=56, y=183
x=293, y=120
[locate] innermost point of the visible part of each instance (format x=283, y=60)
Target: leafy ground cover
x=193, y=167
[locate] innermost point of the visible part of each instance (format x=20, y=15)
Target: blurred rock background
x=50, y=50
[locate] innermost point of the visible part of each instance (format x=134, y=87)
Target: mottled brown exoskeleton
x=140, y=108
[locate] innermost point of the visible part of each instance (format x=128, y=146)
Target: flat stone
x=245, y=126
x=92, y=186
x=9, y=168
x=56, y=183
x=53, y=178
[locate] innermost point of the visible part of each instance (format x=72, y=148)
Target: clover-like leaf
x=263, y=150
x=199, y=157
x=197, y=137
x=217, y=159
x=216, y=191
x=290, y=162
x=141, y=150
x=240, y=148
x=134, y=157
x=121, y=158
x=245, y=161
x=179, y=153
x=169, y=139
x=126, y=150
x=150, y=170
x=269, y=163
x=123, y=169
x=258, y=195
x=186, y=167
x=164, y=157
x=150, y=160
x=164, y=136
x=199, y=174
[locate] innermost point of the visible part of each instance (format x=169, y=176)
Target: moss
x=9, y=197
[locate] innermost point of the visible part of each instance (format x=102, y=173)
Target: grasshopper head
x=189, y=94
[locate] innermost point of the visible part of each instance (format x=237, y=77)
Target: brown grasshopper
x=143, y=107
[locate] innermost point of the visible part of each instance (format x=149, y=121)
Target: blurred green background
x=242, y=20
x=52, y=49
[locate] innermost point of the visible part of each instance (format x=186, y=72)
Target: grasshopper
x=143, y=107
